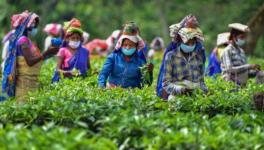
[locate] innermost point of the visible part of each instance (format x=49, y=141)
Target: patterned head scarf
x=186, y=29
x=130, y=31
x=72, y=30
x=53, y=29
x=18, y=19
x=187, y=34
x=72, y=23
x=73, y=26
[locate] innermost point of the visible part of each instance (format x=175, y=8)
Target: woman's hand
x=150, y=67
x=186, y=90
x=66, y=73
x=255, y=67
x=51, y=52
x=111, y=86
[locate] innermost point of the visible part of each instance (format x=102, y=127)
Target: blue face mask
x=186, y=48
x=128, y=52
x=240, y=42
x=33, y=32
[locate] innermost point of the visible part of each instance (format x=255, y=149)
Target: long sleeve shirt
x=117, y=71
x=234, y=64
x=180, y=73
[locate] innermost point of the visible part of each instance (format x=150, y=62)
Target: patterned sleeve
x=167, y=82
x=226, y=59
x=227, y=63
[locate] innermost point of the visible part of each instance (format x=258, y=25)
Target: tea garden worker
x=53, y=30
x=73, y=23
x=132, y=28
x=122, y=66
x=157, y=47
x=214, y=65
x=184, y=66
x=22, y=65
x=73, y=58
x=233, y=60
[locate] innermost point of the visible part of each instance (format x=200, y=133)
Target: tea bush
x=76, y=114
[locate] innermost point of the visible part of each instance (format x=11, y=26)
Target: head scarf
x=53, y=29
x=222, y=38
x=74, y=30
x=134, y=38
x=130, y=31
x=69, y=27
x=18, y=19
x=186, y=29
x=239, y=27
x=157, y=43
x=73, y=26
x=72, y=23
x=187, y=34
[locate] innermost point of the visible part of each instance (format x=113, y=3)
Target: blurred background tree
x=101, y=17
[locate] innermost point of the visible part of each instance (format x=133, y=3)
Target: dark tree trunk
x=162, y=17
x=256, y=25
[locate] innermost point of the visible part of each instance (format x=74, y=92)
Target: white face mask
x=74, y=44
x=33, y=32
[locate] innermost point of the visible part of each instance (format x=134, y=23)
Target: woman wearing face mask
x=214, y=67
x=22, y=65
x=233, y=60
x=157, y=46
x=73, y=58
x=132, y=28
x=122, y=66
x=184, y=66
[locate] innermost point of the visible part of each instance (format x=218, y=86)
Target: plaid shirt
x=234, y=64
x=178, y=71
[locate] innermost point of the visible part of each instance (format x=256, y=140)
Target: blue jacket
x=214, y=65
x=120, y=72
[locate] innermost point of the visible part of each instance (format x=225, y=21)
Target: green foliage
x=147, y=77
x=101, y=17
x=49, y=137
x=75, y=114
